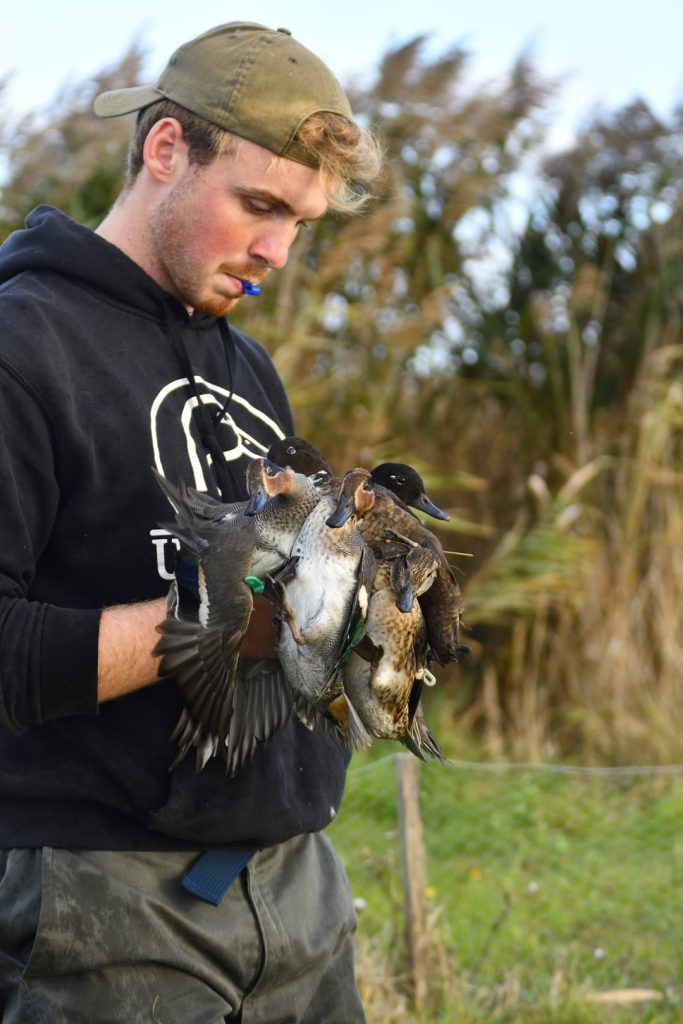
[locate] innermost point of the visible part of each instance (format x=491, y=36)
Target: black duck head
x=301, y=455
x=407, y=484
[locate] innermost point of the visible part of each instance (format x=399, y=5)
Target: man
x=128, y=892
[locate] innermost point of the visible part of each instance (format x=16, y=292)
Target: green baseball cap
x=257, y=82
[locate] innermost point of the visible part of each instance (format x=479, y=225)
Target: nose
x=273, y=245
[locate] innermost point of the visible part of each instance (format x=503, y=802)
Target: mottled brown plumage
x=385, y=673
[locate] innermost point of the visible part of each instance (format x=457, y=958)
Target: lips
x=234, y=284
x=241, y=285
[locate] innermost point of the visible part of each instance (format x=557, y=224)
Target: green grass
x=543, y=888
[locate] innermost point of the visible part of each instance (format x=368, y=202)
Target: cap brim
x=125, y=101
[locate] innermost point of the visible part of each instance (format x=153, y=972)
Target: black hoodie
x=94, y=390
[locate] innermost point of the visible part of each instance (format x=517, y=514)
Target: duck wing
x=442, y=606
x=262, y=705
x=357, y=607
x=209, y=607
x=198, y=503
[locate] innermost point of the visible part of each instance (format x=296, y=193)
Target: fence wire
x=548, y=886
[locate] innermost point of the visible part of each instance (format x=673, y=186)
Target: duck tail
x=420, y=742
x=357, y=736
x=348, y=725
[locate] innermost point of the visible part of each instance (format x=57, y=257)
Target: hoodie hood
x=54, y=242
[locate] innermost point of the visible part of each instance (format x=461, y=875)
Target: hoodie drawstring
x=226, y=481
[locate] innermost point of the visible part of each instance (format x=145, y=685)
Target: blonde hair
x=349, y=157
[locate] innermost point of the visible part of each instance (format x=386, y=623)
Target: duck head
x=356, y=497
x=408, y=485
x=265, y=479
x=413, y=574
x=301, y=455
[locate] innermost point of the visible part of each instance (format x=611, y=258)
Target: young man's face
x=233, y=220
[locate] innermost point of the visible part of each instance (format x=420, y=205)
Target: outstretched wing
x=208, y=613
x=262, y=706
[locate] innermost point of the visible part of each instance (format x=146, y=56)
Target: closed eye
x=264, y=205
x=257, y=206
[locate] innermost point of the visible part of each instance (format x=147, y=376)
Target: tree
x=65, y=156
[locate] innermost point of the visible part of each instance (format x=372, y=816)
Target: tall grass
x=588, y=588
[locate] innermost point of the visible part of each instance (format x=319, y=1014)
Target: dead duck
x=222, y=557
x=323, y=602
x=385, y=672
x=442, y=603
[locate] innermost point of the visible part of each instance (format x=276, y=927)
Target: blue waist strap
x=214, y=871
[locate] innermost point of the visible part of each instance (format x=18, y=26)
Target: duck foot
x=274, y=590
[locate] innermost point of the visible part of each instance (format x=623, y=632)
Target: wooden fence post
x=414, y=872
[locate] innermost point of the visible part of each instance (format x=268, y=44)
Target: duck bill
x=425, y=504
x=356, y=497
x=257, y=502
x=265, y=479
x=406, y=596
x=343, y=512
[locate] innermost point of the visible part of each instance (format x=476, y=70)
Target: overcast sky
x=609, y=51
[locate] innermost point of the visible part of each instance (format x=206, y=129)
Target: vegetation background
x=510, y=323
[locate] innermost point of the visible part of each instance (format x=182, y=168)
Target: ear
x=165, y=152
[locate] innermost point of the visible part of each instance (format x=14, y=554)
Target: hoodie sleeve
x=48, y=655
